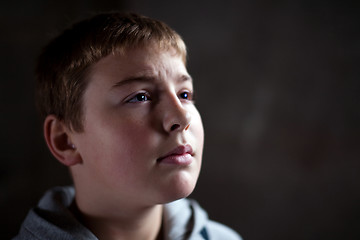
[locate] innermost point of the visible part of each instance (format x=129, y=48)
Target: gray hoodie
x=51, y=219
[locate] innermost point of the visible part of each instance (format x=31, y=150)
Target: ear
x=58, y=139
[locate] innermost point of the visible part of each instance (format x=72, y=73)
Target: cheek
x=118, y=141
x=129, y=139
x=127, y=131
x=121, y=153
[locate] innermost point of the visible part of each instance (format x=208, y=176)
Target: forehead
x=139, y=61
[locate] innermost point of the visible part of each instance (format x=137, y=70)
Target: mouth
x=181, y=156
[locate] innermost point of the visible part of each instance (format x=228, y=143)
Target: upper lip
x=179, y=150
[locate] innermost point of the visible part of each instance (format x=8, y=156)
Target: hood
x=183, y=219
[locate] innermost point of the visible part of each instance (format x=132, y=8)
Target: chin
x=180, y=187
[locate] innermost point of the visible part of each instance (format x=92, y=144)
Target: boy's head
x=118, y=109
x=63, y=67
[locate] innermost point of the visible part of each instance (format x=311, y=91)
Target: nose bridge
x=176, y=116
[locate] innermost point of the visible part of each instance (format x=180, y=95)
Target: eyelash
x=145, y=96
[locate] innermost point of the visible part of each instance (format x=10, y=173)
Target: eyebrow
x=145, y=78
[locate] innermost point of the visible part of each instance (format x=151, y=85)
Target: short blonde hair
x=63, y=66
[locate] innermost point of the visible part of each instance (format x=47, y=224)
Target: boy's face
x=143, y=137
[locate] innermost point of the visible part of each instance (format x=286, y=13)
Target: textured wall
x=278, y=88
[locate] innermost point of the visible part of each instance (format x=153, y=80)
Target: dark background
x=278, y=88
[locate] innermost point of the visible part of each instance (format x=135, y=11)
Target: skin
x=138, y=107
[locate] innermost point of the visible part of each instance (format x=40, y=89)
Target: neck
x=140, y=224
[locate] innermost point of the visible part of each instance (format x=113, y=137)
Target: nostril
x=174, y=127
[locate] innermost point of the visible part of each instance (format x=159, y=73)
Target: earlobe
x=59, y=141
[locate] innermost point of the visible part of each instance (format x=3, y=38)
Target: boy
x=118, y=110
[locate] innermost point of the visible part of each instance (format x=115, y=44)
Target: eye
x=186, y=95
x=140, y=97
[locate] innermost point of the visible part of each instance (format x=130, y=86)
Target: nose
x=176, y=116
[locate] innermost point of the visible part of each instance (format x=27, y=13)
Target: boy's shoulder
x=52, y=219
x=186, y=217
x=219, y=231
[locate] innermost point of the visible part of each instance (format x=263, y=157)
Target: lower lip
x=180, y=160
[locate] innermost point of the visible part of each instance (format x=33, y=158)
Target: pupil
x=141, y=97
x=184, y=95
